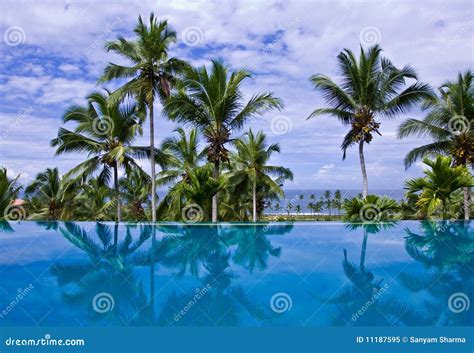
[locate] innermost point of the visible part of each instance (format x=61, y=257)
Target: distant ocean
x=293, y=197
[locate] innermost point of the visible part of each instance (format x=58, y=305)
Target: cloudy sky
x=52, y=54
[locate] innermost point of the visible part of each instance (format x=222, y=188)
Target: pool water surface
x=301, y=274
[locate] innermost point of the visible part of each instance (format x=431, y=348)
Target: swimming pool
x=301, y=274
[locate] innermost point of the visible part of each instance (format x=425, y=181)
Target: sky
x=52, y=55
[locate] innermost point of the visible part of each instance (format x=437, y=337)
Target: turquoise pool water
x=303, y=274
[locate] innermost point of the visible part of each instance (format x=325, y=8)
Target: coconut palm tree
x=449, y=124
x=50, y=195
x=94, y=201
x=152, y=73
x=437, y=190
x=9, y=190
x=184, y=156
x=337, y=201
x=188, y=200
x=251, y=164
x=105, y=132
x=328, y=202
x=371, y=88
x=212, y=101
x=135, y=188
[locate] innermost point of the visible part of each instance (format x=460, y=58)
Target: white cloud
x=69, y=68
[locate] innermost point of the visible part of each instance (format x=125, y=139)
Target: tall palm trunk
x=365, y=190
x=118, y=199
x=467, y=203
x=152, y=157
x=254, y=196
x=214, y=197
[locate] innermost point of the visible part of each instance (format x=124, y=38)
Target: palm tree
x=337, y=201
x=135, y=188
x=212, y=101
x=371, y=88
x=51, y=194
x=9, y=190
x=192, y=192
x=450, y=125
x=277, y=207
x=95, y=201
x=318, y=207
x=152, y=74
x=438, y=188
x=327, y=196
x=105, y=132
x=253, y=154
x=184, y=156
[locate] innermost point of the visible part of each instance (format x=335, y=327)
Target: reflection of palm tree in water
x=109, y=270
x=447, y=250
x=365, y=300
x=253, y=247
x=218, y=301
x=203, y=251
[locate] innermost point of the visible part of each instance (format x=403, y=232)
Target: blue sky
x=52, y=53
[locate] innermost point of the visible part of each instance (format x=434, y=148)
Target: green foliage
x=212, y=102
x=9, y=190
x=372, y=208
x=250, y=172
x=371, y=87
x=196, y=190
x=449, y=123
x=50, y=196
x=439, y=190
